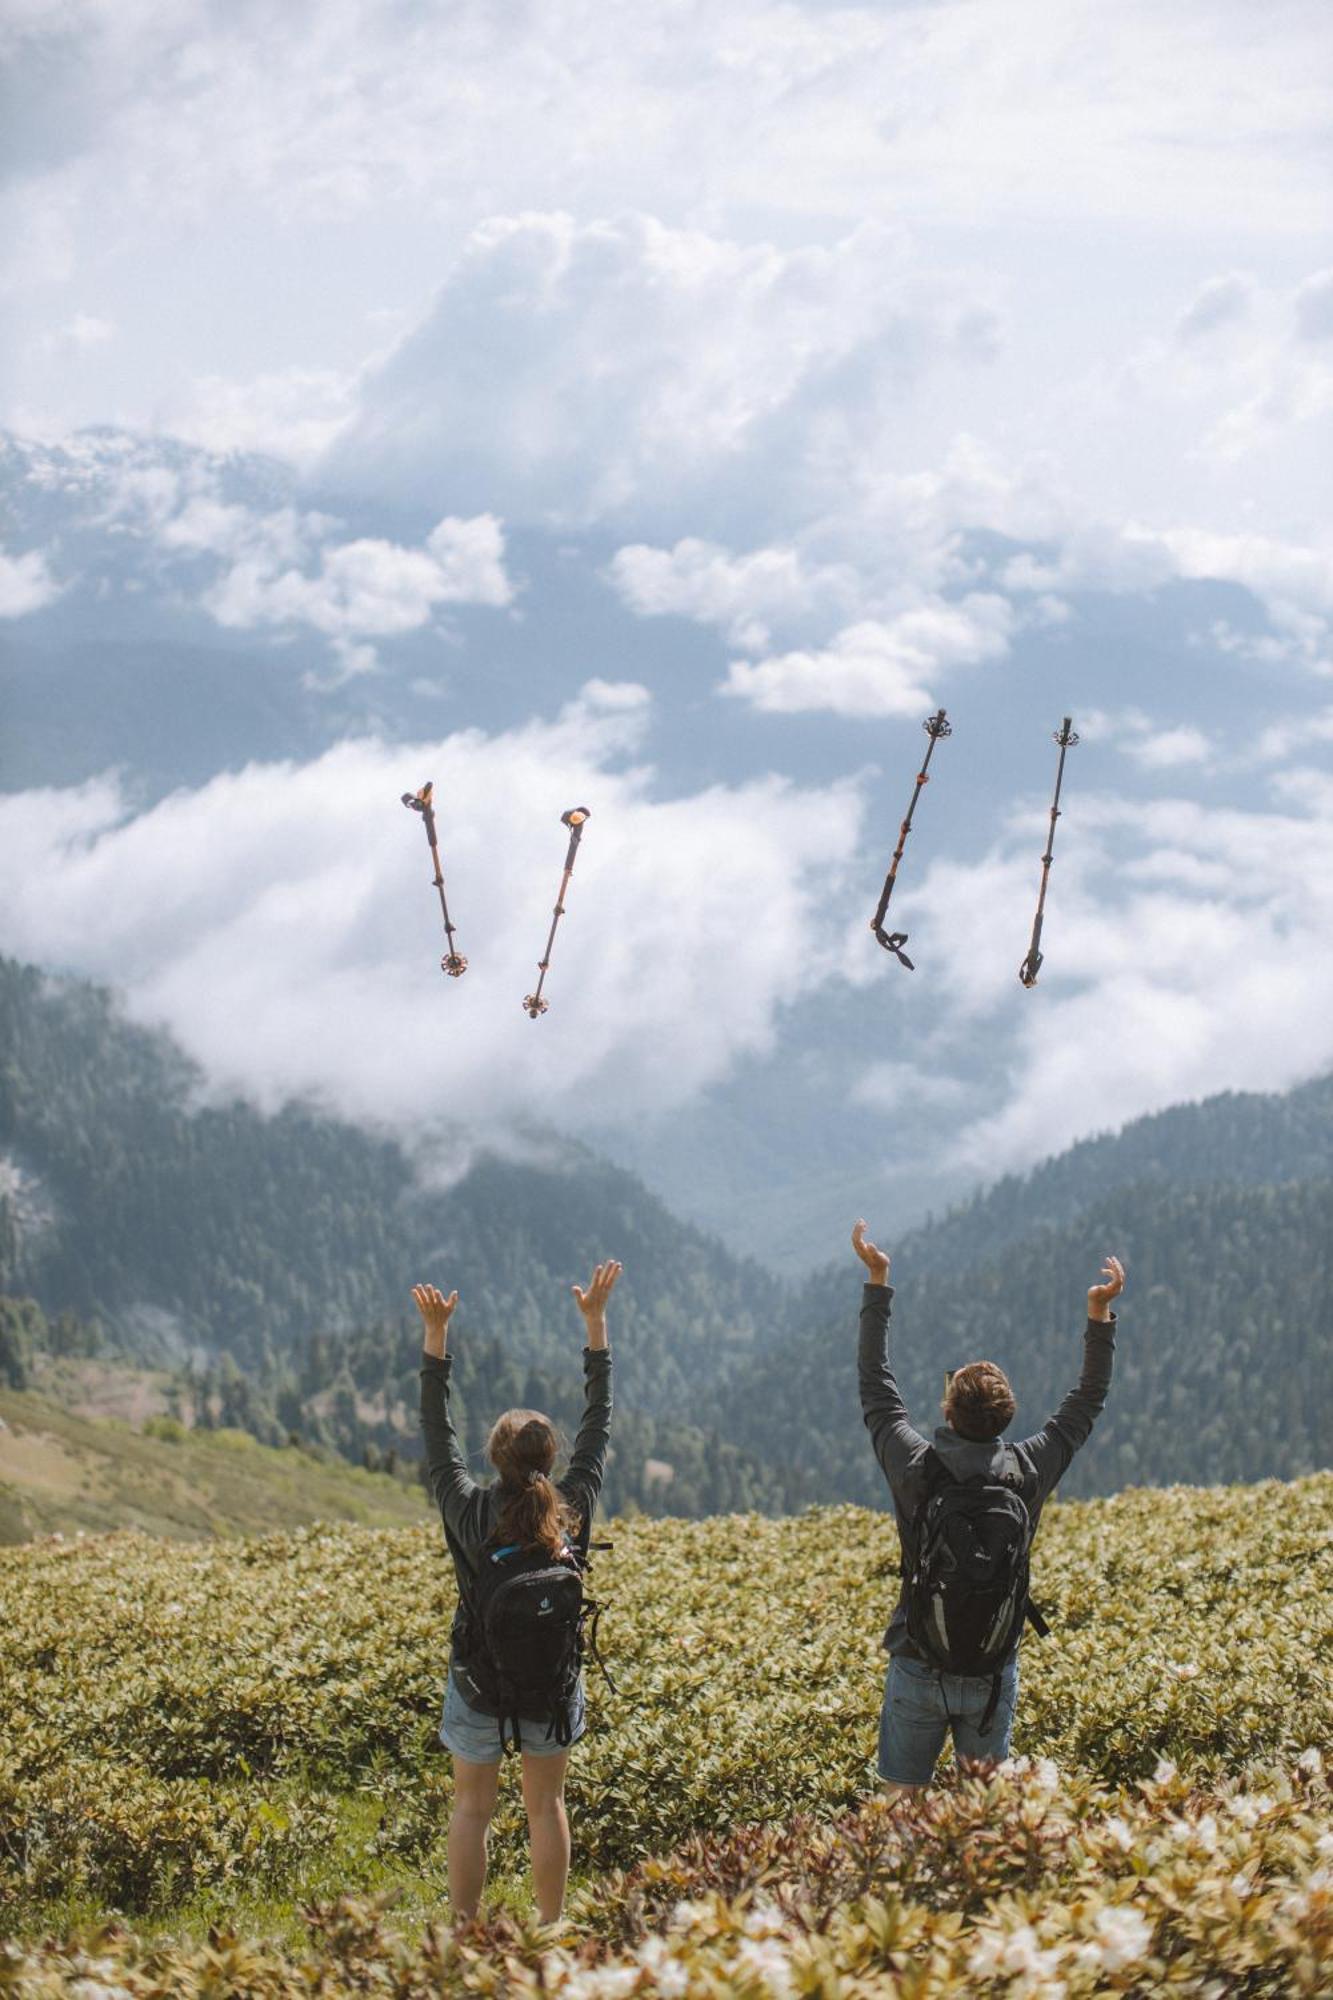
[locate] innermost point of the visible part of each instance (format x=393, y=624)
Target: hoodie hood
x=970, y=1458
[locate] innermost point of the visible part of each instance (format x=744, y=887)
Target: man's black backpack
x=526, y=1637
x=967, y=1591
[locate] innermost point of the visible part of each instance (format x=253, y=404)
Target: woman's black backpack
x=526, y=1637
x=967, y=1590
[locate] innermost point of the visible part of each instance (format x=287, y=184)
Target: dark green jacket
x=470, y=1511
x=1043, y=1459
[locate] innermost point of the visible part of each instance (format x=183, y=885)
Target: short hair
x=979, y=1403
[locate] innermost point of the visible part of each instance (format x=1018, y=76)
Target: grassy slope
x=64, y=1471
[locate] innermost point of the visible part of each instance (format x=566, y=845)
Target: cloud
x=293, y=413
x=26, y=584
x=87, y=330
x=280, y=920
x=742, y=593
x=1186, y=953
x=1314, y=307
x=1221, y=302
x=1152, y=745
x=1292, y=580
x=574, y=371
x=874, y=668
x=369, y=586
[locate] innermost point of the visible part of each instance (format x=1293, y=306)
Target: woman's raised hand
x=592, y=1303
x=436, y=1312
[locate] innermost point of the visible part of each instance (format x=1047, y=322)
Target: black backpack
x=525, y=1643
x=967, y=1590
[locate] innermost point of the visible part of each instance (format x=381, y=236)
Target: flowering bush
x=182, y=1719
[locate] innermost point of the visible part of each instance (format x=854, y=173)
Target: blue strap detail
x=512, y=1549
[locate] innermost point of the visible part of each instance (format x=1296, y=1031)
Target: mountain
x=188, y=1227
x=270, y=1260
x=267, y=1260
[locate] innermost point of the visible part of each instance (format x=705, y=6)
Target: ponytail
x=533, y=1512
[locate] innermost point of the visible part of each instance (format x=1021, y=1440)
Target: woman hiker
x=517, y=1546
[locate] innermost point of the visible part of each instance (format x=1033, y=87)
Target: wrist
x=596, y=1333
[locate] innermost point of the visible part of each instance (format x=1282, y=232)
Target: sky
x=671, y=406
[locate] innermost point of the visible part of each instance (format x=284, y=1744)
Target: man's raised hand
x=592, y=1303
x=875, y=1261
x=1113, y=1284
x=436, y=1311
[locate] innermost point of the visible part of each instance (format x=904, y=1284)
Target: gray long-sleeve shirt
x=470, y=1511
x=901, y=1450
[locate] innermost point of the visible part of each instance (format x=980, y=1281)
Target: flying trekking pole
x=453, y=961
x=935, y=726
x=1031, y=966
x=574, y=819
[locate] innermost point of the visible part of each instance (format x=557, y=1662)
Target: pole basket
x=454, y=964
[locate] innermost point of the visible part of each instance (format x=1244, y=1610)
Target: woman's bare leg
x=476, y=1787
x=548, y=1831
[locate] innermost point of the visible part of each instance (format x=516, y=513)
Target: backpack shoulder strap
x=937, y=1473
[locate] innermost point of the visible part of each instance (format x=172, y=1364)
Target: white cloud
x=742, y=593
x=1314, y=307
x=1219, y=303
x=370, y=586
x=1186, y=952
x=878, y=669
x=1280, y=739
x=293, y=413
x=1151, y=745
x=572, y=371
x=891, y=1086
x=280, y=919
x=26, y=584
x=87, y=330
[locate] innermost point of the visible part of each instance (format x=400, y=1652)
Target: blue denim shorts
x=476, y=1737
x=921, y=1706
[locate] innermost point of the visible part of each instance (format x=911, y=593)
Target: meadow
x=217, y=1773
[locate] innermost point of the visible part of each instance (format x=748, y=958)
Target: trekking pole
x=453, y=961
x=1031, y=966
x=574, y=819
x=935, y=726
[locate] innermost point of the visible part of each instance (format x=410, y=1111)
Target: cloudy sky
x=663, y=410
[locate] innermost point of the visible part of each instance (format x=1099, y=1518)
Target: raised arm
x=1054, y=1445
x=587, y=1467
x=897, y=1445
x=450, y=1481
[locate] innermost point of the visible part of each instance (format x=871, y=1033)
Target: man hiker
x=967, y=1504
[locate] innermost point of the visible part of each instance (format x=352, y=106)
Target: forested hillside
x=268, y=1259
x=187, y=1226
x=1244, y=1137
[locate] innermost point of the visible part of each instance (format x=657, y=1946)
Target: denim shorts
x=921, y=1706
x=476, y=1737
